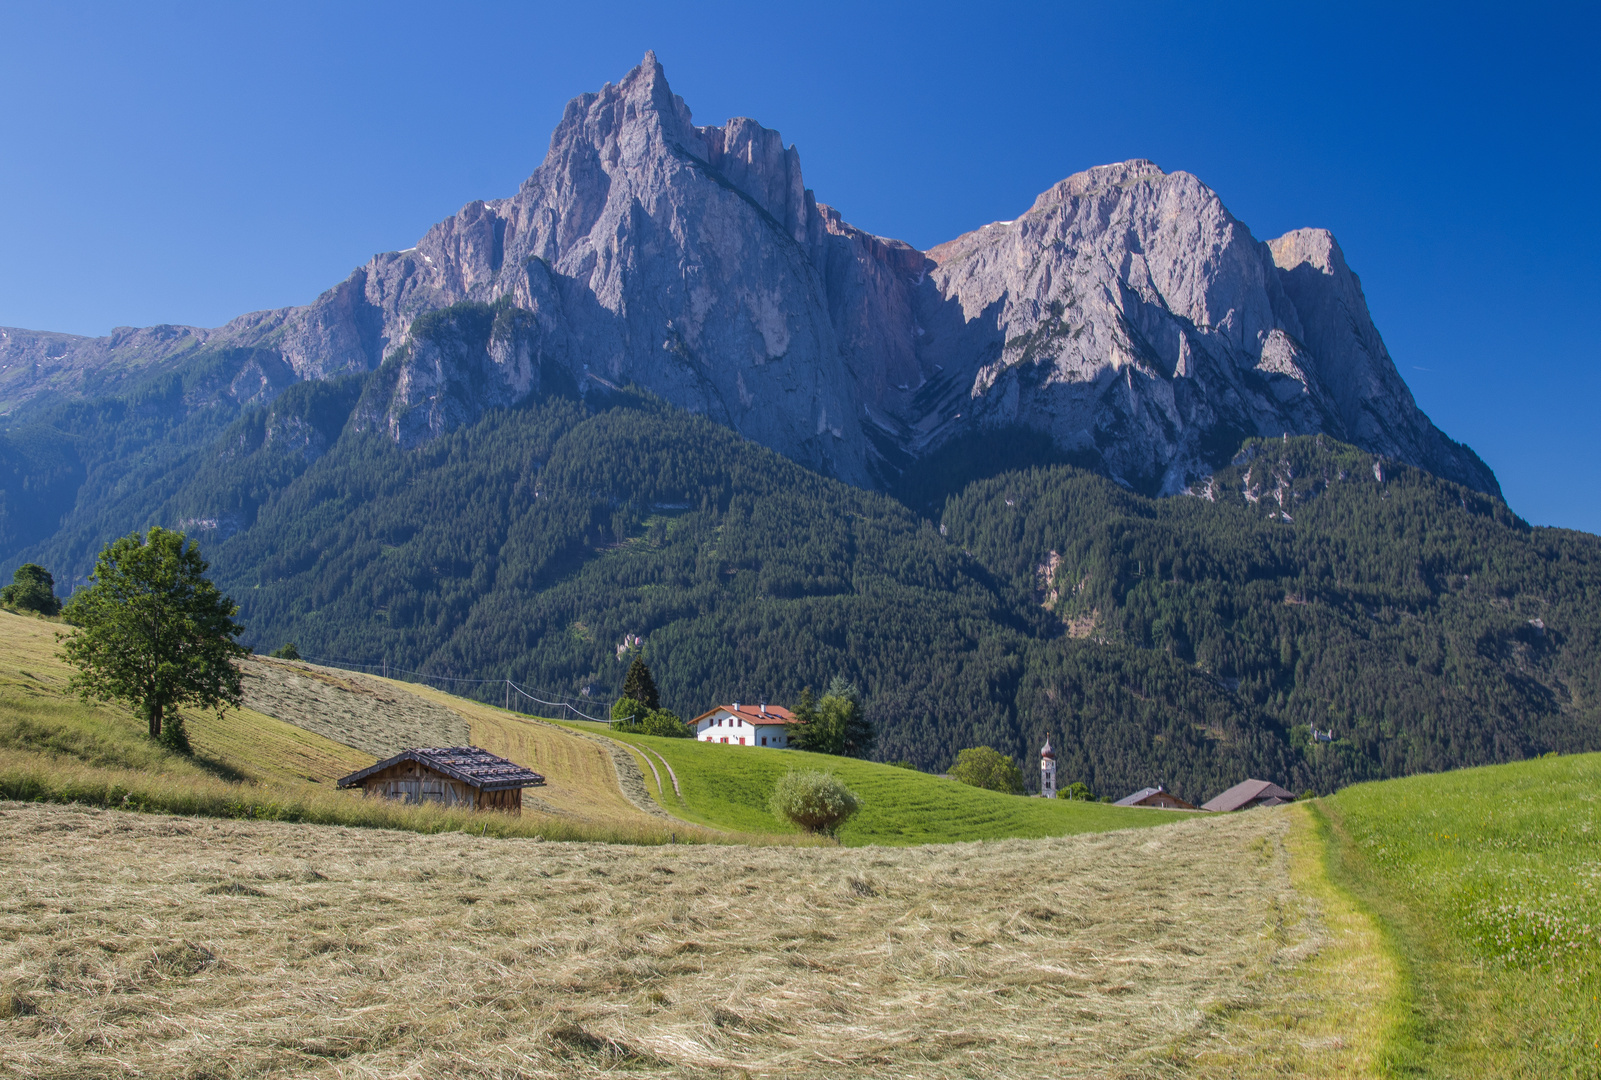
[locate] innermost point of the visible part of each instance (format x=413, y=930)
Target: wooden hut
x=452, y=775
x=1158, y=797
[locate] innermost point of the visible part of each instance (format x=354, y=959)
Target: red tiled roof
x=752, y=714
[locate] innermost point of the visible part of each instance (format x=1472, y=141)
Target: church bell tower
x=1047, y=770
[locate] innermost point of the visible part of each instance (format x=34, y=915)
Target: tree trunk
x=153, y=715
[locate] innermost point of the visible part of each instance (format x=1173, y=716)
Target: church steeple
x=1047, y=770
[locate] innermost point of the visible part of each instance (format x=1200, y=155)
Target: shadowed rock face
x=1127, y=314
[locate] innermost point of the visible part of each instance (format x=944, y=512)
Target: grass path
x=1488, y=884
x=1328, y=1003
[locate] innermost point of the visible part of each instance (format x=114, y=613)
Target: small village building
x=747, y=725
x=1249, y=793
x=1157, y=796
x=1047, y=770
x=453, y=775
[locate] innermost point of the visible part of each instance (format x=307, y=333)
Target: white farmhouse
x=749, y=725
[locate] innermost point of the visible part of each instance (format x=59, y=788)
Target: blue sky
x=187, y=162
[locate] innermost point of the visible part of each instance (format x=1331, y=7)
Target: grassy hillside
x=37, y=715
x=1489, y=882
x=728, y=787
x=54, y=747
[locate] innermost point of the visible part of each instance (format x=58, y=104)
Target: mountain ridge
x=1126, y=315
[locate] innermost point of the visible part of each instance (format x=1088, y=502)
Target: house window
x=764, y=740
x=725, y=738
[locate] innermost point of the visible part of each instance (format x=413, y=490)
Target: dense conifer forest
x=1190, y=641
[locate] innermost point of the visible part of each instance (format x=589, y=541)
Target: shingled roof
x=1249, y=793
x=470, y=765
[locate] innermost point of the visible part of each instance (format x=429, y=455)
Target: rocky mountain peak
x=1127, y=315
x=1097, y=178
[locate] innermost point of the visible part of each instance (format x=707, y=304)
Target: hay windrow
x=124, y=948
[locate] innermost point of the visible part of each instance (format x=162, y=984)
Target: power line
x=387, y=671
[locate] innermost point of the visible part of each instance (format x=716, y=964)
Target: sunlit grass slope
x=1489, y=881
x=728, y=787
x=38, y=715
x=56, y=748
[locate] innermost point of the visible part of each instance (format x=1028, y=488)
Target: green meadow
x=728, y=788
x=1488, y=884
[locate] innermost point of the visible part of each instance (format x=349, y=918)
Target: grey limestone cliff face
x=1133, y=318
x=644, y=250
x=1127, y=314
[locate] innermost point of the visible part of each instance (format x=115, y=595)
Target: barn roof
x=1139, y=797
x=752, y=714
x=468, y=764
x=1248, y=791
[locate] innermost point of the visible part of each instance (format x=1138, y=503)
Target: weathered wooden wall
x=411, y=781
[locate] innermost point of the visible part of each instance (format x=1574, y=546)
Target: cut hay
x=132, y=944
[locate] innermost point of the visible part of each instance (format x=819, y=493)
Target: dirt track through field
x=141, y=944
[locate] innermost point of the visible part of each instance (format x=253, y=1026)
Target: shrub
x=1078, y=791
x=815, y=801
x=666, y=723
x=626, y=714
x=988, y=768
x=286, y=651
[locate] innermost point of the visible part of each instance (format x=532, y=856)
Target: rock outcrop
x=1127, y=314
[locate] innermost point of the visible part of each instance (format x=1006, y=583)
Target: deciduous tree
x=986, y=767
x=834, y=725
x=32, y=588
x=153, y=632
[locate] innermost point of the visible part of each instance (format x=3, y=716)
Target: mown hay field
x=1489, y=881
x=141, y=945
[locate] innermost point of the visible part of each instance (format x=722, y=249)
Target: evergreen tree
x=849, y=731
x=805, y=734
x=638, y=684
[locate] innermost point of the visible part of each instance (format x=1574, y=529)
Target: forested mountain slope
x=1189, y=640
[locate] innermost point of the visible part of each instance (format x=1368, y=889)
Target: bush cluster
x=632, y=717
x=816, y=801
